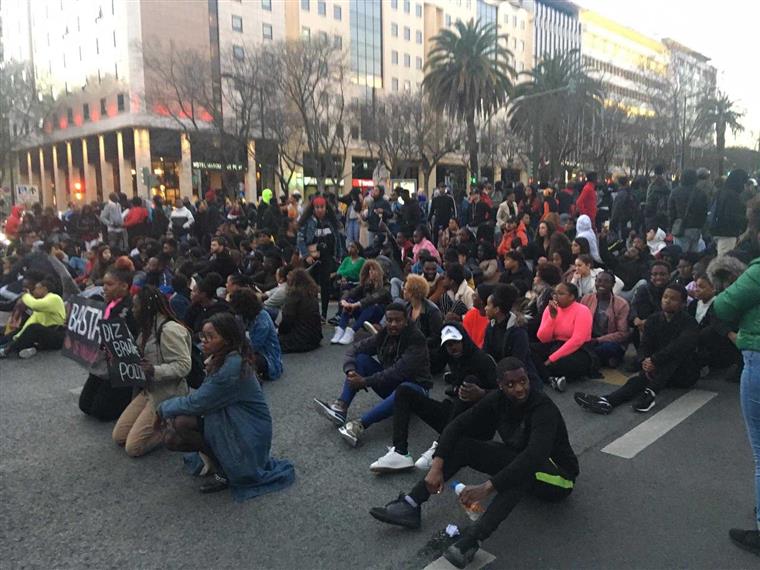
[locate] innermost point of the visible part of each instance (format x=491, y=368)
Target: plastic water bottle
x=474, y=511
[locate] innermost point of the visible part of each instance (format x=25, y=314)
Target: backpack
x=197, y=373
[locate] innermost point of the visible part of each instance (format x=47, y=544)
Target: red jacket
x=136, y=215
x=586, y=203
x=506, y=240
x=14, y=221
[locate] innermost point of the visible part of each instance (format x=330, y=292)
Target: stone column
x=185, y=167
x=125, y=169
x=348, y=173
x=142, y=160
x=30, y=180
x=46, y=192
x=73, y=177
x=60, y=182
x=106, y=170
x=251, y=189
x=90, y=178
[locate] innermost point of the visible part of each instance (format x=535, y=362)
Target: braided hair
x=151, y=304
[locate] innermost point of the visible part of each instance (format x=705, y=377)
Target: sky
x=727, y=31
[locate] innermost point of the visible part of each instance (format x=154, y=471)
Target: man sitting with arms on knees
x=667, y=355
x=537, y=459
x=395, y=356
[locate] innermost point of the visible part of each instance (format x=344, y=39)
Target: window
x=114, y=38
x=337, y=42
x=237, y=52
x=237, y=23
x=514, y=21
x=97, y=47
x=266, y=5
x=394, y=30
x=305, y=32
x=354, y=132
x=321, y=8
x=323, y=37
x=418, y=63
x=305, y=5
x=407, y=85
x=394, y=84
x=418, y=36
x=407, y=60
x=120, y=101
x=394, y=57
x=267, y=31
x=418, y=10
x=448, y=21
x=394, y=4
x=337, y=12
x=86, y=111
x=407, y=33
x=70, y=115
x=407, y=6
x=103, y=106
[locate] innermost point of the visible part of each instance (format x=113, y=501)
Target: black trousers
x=44, y=338
x=321, y=275
x=572, y=367
x=717, y=351
x=681, y=377
x=491, y=457
x=409, y=401
x=100, y=400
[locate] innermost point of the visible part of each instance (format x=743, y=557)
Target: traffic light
x=78, y=190
x=473, y=180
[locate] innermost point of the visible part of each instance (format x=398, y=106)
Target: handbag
x=677, y=230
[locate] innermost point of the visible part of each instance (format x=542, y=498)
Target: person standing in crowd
x=227, y=419
x=586, y=203
x=261, y=332
x=300, y=328
x=687, y=210
x=111, y=218
x=135, y=221
x=728, y=220
x=658, y=198
x=442, y=209
x=540, y=462
x=165, y=345
x=181, y=219
x=610, y=329
x=740, y=304
x=378, y=212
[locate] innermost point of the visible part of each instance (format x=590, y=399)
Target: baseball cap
x=450, y=333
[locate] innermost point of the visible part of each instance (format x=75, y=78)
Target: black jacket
x=656, y=206
x=729, y=216
x=672, y=345
x=473, y=362
x=367, y=295
x=502, y=340
x=535, y=429
x=645, y=302
x=198, y=314
x=373, y=219
x=300, y=329
x=430, y=323
x=522, y=279
x=404, y=358
x=443, y=208
x=678, y=206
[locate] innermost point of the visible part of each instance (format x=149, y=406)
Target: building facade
x=556, y=28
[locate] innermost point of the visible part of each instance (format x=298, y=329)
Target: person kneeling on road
x=472, y=375
x=538, y=459
x=667, y=356
x=394, y=357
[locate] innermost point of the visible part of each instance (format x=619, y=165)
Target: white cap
x=450, y=333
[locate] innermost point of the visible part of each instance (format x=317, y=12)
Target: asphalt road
x=70, y=498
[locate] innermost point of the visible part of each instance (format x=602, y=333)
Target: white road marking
x=645, y=434
x=481, y=559
x=76, y=391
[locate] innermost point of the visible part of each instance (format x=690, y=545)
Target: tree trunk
x=720, y=140
x=472, y=146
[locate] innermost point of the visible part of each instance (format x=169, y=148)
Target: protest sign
x=82, y=340
x=123, y=355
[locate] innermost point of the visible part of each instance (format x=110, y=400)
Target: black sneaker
x=333, y=320
x=462, y=552
x=217, y=483
x=331, y=412
x=644, y=402
x=592, y=403
x=747, y=539
x=399, y=513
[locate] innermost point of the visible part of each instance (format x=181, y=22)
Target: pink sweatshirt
x=572, y=326
x=428, y=245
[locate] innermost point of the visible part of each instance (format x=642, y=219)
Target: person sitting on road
x=610, y=330
x=300, y=328
x=475, y=321
x=516, y=272
x=548, y=276
x=646, y=300
x=472, y=373
x=98, y=398
x=667, y=356
x=165, y=345
x=227, y=419
x=204, y=303
x=262, y=334
x=565, y=328
x=427, y=316
x=396, y=356
x=44, y=329
x=365, y=303
x=538, y=459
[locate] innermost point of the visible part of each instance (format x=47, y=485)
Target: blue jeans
x=371, y=313
x=352, y=230
x=750, y=401
x=366, y=365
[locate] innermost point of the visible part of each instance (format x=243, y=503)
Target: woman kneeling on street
x=227, y=419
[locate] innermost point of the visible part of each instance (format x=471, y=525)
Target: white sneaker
x=392, y=462
x=425, y=462
x=27, y=352
x=339, y=331
x=348, y=337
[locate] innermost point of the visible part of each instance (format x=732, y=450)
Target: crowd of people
x=501, y=294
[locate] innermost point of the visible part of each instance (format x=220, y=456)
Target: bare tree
x=387, y=130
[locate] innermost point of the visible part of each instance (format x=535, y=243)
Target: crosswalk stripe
x=481, y=559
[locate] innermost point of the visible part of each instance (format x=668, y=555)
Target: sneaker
x=27, y=352
x=592, y=403
x=333, y=321
x=3, y=354
x=348, y=337
x=425, y=462
x=333, y=412
x=370, y=328
x=462, y=552
x=399, y=513
x=392, y=462
x=747, y=539
x=559, y=383
x=644, y=402
x=352, y=432
x=217, y=483
x=339, y=332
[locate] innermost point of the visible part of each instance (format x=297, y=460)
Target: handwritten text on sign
x=82, y=341
x=124, y=362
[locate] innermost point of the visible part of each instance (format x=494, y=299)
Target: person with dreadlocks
x=165, y=345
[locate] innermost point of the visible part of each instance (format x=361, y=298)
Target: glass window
x=337, y=42
x=407, y=33
x=394, y=57
x=70, y=115
x=419, y=62
x=305, y=5
x=448, y=21
x=266, y=30
x=337, y=12
x=237, y=23
x=407, y=6
x=237, y=51
x=418, y=10
x=266, y=5
x=418, y=36
x=321, y=8
x=394, y=4
x=394, y=84
x=394, y=30
x=407, y=60
x=102, y=107
x=86, y=111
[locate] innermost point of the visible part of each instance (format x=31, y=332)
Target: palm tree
x=718, y=112
x=468, y=76
x=551, y=105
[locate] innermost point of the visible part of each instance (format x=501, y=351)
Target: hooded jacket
x=586, y=203
x=740, y=303
x=658, y=243
x=14, y=221
x=508, y=339
x=585, y=229
x=729, y=217
x=656, y=207
x=693, y=215
x=473, y=362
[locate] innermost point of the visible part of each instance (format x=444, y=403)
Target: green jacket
x=740, y=303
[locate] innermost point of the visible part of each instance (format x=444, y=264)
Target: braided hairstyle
x=231, y=330
x=152, y=303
